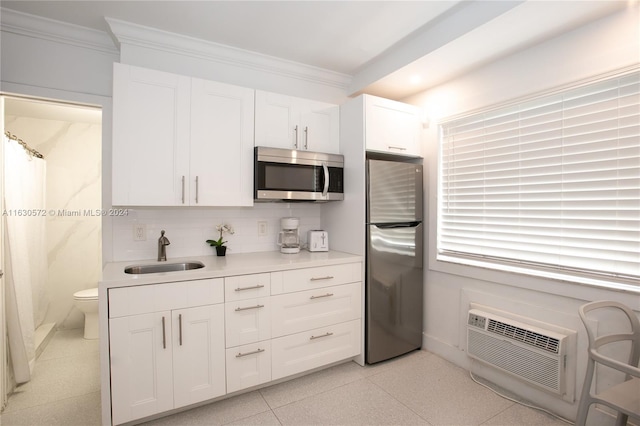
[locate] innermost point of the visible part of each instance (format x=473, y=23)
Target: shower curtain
x=25, y=254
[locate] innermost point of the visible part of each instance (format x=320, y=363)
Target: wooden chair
x=623, y=397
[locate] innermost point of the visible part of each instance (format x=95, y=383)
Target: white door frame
x=3, y=329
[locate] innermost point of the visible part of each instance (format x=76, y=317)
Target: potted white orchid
x=221, y=249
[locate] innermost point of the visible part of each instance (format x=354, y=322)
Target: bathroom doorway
x=69, y=137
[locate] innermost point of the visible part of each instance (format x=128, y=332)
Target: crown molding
x=48, y=29
x=152, y=38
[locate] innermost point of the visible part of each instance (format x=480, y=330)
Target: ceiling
x=387, y=48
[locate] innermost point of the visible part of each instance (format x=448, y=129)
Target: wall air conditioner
x=535, y=355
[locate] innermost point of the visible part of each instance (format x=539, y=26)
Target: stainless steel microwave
x=292, y=175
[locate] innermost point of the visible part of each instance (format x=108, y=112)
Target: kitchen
x=83, y=74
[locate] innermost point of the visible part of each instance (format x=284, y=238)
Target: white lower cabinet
x=247, y=321
x=176, y=344
x=306, y=310
x=198, y=354
x=314, y=348
x=141, y=365
x=248, y=365
x=166, y=360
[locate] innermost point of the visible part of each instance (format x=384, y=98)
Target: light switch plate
x=262, y=228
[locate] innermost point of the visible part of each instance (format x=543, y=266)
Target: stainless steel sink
x=163, y=267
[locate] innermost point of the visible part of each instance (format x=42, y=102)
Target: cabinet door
x=198, y=354
x=276, y=121
x=392, y=127
x=222, y=124
x=320, y=124
x=150, y=137
x=141, y=364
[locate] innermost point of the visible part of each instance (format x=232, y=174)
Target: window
x=549, y=184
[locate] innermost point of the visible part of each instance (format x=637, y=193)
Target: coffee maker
x=288, y=238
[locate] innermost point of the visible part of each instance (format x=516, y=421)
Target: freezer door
x=394, y=291
x=394, y=192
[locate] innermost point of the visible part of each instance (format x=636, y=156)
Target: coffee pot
x=288, y=238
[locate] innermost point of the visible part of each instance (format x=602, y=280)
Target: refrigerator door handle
x=396, y=225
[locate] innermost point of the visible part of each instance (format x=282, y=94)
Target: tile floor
x=417, y=389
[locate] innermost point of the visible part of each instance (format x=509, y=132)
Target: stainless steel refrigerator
x=394, y=271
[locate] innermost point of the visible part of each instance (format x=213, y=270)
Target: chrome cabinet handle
x=180, y=328
x=240, y=354
x=196, y=189
x=164, y=335
x=249, y=288
x=250, y=307
x=295, y=142
x=397, y=147
x=328, y=277
x=182, y=189
x=321, y=296
x=306, y=137
x=322, y=335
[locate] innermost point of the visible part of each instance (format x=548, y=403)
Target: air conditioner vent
x=532, y=353
x=528, y=337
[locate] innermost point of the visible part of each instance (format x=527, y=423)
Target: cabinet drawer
x=310, y=278
x=247, y=321
x=247, y=287
x=311, y=349
x=162, y=297
x=305, y=310
x=248, y=365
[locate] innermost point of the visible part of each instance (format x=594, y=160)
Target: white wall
x=602, y=46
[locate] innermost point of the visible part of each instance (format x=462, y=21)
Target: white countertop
x=113, y=274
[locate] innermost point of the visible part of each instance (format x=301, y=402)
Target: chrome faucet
x=163, y=242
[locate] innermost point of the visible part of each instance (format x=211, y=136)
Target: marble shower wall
x=72, y=151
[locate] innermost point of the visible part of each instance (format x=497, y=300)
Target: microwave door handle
x=326, y=180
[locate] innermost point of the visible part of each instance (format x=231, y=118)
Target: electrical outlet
x=262, y=228
x=139, y=232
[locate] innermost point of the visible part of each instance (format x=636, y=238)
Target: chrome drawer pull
x=182, y=189
x=164, y=335
x=196, y=189
x=328, y=277
x=324, y=335
x=398, y=148
x=180, y=328
x=319, y=297
x=240, y=354
x=249, y=288
x=249, y=307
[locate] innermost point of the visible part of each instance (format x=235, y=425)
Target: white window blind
x=552, y=182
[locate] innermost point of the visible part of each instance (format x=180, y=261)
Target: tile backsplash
x=188, y=228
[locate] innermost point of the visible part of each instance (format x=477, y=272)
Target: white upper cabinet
x=150, y=136
x=295, y=123
x=392, y=127
x=180, y=141
x=221, y=144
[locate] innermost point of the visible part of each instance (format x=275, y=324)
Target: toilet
x=87, y=302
